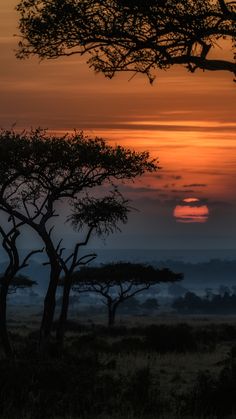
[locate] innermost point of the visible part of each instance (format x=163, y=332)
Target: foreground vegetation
x=180, y=370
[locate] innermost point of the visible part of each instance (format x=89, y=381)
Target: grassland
x=160, y=367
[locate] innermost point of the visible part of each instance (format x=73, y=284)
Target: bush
x=214, y=397
x=168, y=338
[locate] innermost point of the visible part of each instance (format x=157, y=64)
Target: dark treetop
x=130, y=35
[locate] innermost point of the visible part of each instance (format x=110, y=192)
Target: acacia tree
x=117, y=282
x=130, y=35
x=37, y=171
x=10, y=281
x=101, y=216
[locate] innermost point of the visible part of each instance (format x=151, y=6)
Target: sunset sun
x=191, y=210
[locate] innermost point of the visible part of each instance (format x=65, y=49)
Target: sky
x=185, y=120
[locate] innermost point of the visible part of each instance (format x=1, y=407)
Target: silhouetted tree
x=118, y=282
x=217, y=304
x=21, y=282
x=9, y=281
x=130, y=35
x=37, y=171
x=101, y=216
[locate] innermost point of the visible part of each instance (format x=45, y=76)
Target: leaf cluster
x=37, y=170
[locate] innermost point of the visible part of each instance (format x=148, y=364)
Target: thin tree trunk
x=49, y=307
x=64, y=313
x=4, y=337
x=111, y=315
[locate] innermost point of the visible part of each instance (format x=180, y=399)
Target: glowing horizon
x=185, y=120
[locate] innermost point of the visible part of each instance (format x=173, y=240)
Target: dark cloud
x=195, y=185
x=140, y=189
x=183, y=191
x=160, y=127
x=198, y=203
x=172, y=202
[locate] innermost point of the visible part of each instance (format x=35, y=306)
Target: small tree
x=118, y=282
x=130, y=35
x=21, y=282
x=101, y=217
x=9, y=281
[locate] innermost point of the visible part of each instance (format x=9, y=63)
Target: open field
x=159, y=367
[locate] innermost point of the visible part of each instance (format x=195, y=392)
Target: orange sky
x=187, y=120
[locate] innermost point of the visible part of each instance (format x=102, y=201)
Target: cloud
x=195, y=185
x=183, y=190
x=140, y=189
x=172, y=127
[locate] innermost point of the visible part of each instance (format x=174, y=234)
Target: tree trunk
x=4, y=337
x=49, y=307
x=111, y=315
x=63, y=314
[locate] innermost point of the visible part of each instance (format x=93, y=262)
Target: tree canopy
x=38, y=171
x=118, y=282
x=130, y=35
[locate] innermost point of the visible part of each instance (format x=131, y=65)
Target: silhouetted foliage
x=99, y=376
x=37, y=171
x=117, y=282
x=10, y=280
x=20, y=282
x=129, y=35
x=165, y=338
x=101, y=216
x=215, y=396
x=212, y=303
x=73, y=387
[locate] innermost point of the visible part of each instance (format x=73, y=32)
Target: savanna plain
x=158, y=366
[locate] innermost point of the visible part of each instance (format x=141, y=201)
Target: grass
x=125, y=373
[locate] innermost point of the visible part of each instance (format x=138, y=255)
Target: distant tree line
x=222, y=303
